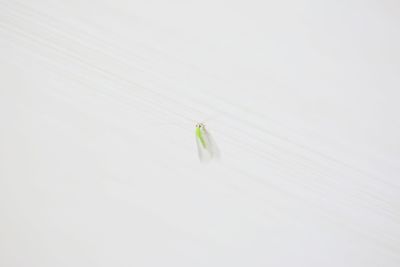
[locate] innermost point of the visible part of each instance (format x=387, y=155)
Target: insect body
x=206, y=146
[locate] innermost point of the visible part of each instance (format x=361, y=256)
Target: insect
x=206, y=146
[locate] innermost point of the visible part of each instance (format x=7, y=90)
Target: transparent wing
x=204, y=153
x=210, y=151
x=212, y=145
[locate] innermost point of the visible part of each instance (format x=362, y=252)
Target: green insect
x=206, y=146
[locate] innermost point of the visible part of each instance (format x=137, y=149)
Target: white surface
x=98, y=162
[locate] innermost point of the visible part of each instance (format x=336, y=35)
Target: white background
x=98, y=162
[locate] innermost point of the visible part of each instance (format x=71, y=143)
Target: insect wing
x=206, y=147
x=205, y=154
x=212, y=146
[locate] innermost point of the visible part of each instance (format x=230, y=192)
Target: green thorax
x=200, y=135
